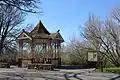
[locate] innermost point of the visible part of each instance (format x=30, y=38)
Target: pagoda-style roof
x=40, y=28
x=40, y=32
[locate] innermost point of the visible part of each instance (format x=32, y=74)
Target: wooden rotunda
x=39, y=46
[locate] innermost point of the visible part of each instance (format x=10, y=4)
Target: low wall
x=82, y=66
x=74, y=66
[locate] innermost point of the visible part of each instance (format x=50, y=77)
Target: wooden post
x=21, y=48
x=54, y=50
x=19, y=54
x=45, y=48
x=32, y=50
x=58, y=48
x=44, y=52
x=48, y=48
x=51, y=50
x=59, y=57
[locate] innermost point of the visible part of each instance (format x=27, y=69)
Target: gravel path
x=79, y=74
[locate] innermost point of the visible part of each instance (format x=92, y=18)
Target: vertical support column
x=51, y=49
x=54, y=50
x=59, y=57
x=20, y=48
x=58, y=50
x=20, y=54
x=43, y=52
x=32, y=51
x=48, y=52
x=48, y=49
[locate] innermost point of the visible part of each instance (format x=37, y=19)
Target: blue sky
x=69, y=15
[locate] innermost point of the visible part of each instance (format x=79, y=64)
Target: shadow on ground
x=115, y=78
x=67, y=77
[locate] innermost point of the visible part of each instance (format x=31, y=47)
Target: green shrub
x=65, y=59
x=8, y=59
x=115, y=70
x=107, y=64
x=4, y=65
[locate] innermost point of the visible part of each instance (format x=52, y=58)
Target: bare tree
x=78, y=54
x=93, y=28
x=104, y=38
x=32, y=6
x=10, y=20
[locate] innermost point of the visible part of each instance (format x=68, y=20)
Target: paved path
x=80, y=74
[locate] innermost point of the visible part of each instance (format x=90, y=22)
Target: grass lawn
x=112, y=69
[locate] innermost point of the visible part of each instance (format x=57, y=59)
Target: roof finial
x=23, y=30
x=58, y=31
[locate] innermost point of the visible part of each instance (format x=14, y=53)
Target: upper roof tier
x=40, y=32
x=40, y=28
